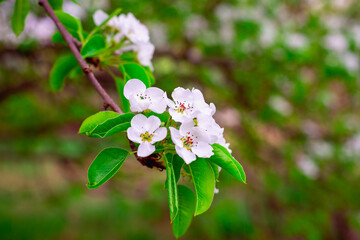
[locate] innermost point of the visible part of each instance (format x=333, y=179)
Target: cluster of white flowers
x=197, y=131
x=135, y=35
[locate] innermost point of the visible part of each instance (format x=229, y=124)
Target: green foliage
x=125, y=104
x=186, y=211
x=112, y=125
x=61, y=69
x=56, y=4
x=223, y=158
x=171, y=187
x=93, y=46
x=93, y=121
x=178, y=162
x=57, y=38
x=105, y=165
x=204, y=182
x=72, y=24
x=134, y=70
x=21, y=10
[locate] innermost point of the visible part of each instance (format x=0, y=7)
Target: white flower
x=146, y=131
x=145, y=53
x=191, y=142
x=99, y=17
x=187, y=104
x=142, y=98
x=207, y=124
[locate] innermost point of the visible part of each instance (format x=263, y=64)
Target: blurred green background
x=284, y=76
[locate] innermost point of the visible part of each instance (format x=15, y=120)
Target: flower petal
x=145, y=149
x=159, y=135
x=99, y=17
x=175, y=136
x=133, y=134
x=137, y=122
x=133, y=86
x=151, y=124
x=185, y=154
x=203, y=150
x=137, y=104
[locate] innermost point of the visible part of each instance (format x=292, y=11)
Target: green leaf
x=215, y=168
x=204, y=182
x=171, y=187
x=60, y=71
x=134, y=70
x=150, y=75
x=186, y=210
x=57, y=38
x=105, y=165
x=223, y=158
x=72, y=24
x=125, y=104
x=178, y=162
x=93, y=46
x=93, y=121
x=56, y=4
x=111, y=126
x=21, y=10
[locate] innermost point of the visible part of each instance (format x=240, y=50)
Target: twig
x=84, y=66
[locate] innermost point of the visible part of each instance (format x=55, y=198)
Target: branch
x=74, y=45
x=74, y=49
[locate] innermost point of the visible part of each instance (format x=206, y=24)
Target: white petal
x=137, y=104
x=152, y=123
x=145, y=149
x=203, y=150
x=213, y=108
x=175, y=136
x=133, y=134
x=133, y=86
x=99, y=17
x=185, y=154
x=138, y=122
x=180, y=94
x=159, y=135
x=158, y=99
x=178, y=117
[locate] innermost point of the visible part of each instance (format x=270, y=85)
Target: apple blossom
x=142, y=98
x=191, y=142
x=187, y=104
x=146, y=131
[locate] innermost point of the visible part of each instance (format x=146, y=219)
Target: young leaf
x=178, y=162
x=93, y=121
x=105, y=165
x=223, y=158
x=112, y=126
x=56, y=4
x=125, y=104
x=134, y=70
x=93, y=46
x=21, y=10
x=186, y=210
x=204, y=182
x=60, y=71
x=171, y=187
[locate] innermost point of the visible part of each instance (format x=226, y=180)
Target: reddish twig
x=74, y=49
